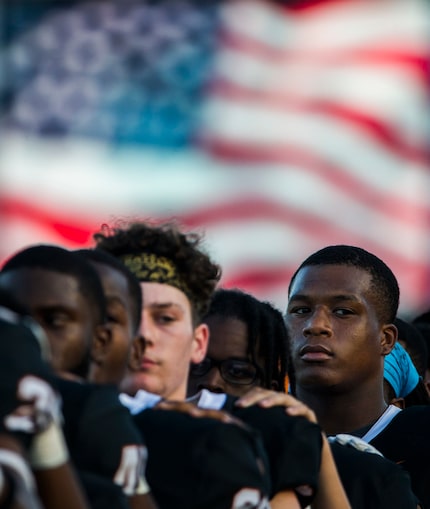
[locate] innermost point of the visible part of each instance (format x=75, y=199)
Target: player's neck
x=177, y=394
x=344, y=412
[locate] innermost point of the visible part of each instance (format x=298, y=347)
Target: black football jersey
x=96, y=426
x=22, y=371
x=406, y=441
x=293, y=446
x=99, y=431
x=372, y=481
x=203, y=463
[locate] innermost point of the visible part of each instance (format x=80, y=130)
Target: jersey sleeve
x=196, y=462
x=405, y=440
x=102, y=435
x=27, y=394
x=293, y=446
x=372, y=481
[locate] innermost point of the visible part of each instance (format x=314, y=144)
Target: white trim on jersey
x=208, y=400
x=381, y=423
x=140, y=401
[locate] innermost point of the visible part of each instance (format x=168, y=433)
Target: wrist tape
x=48, y=449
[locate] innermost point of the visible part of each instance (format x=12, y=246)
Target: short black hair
x=384, y=283
x=266, y=330
x=135, y=292
x=57, y=259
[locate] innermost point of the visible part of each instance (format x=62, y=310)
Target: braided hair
x=267, y=334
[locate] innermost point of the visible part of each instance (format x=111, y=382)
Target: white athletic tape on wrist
x=48, y=449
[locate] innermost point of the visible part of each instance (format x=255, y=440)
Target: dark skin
x=57, y=304
x=56, y=486
x=338, y=344
x=228, y=340
x=110, y=353
x=60, y=487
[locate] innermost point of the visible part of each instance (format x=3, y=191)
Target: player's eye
x=343, y=312
x=56, y=320
x=165, y=319
x=299, y=310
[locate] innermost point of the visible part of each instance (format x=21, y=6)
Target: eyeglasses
x=233, y=371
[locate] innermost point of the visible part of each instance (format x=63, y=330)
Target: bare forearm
x=330, y=494
x=285, y=500
x=59, y=487
x=142, y=502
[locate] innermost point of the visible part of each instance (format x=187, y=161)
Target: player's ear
x=101, y=342
x=398, y=402
x=388, y=338
x=200, y=343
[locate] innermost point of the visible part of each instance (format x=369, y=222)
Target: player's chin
x=141, y=380
x=150, y=382
x=314, y=374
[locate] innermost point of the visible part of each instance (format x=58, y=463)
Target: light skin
x=171, y=341
x=57, y=304
x=110, y=352
x=228, y=340
x=338, y=345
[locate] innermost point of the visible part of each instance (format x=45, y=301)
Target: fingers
x=178, y=406
x=256, y=395
x=266, y=398
x=302, y=410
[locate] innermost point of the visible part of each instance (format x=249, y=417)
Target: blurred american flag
x=274, y=127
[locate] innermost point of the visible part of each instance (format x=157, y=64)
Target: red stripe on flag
x=404, y=211
x=67, y=226
x=305, y=6
x=307, y=223
x=389, y=55
x=380, y=131
x=261, y=277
